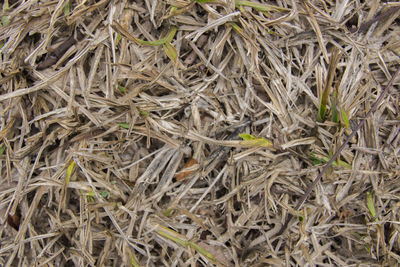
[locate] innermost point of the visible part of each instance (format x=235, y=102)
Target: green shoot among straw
x=335, y=57
x=252, y=141
x=70, y=170
x=167, y=39
x=344, y=118
x=260, y=7
x=371, y=206
x=180, y=239
x=165, y=42
x=334, y=109
x=134, y=262
x=2, y=149
x=4, y=19
x=67, y=9
x=318, y=159
x=122, y=89
x=124, y=125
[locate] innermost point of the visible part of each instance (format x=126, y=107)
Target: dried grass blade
x=317, y=30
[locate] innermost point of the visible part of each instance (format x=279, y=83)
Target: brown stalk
x=55, y=55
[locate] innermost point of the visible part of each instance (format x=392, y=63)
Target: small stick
x=54, y=56
x=192, y=56
x=328, y=165
x=364, y=27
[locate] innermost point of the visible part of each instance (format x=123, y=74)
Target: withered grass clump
x=186, y=133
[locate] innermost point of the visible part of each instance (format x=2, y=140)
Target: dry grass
x=118, y=152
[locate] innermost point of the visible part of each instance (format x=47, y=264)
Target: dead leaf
x=186, y=170
x=14, y=220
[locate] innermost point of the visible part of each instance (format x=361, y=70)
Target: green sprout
x=2, y=149
x=4, y=19
x=67, y=9
x=124, y=125
x=252, y=141
x=371, y=206
x=122, y=89
x=322, y=110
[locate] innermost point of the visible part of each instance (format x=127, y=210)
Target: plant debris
x=199, y=133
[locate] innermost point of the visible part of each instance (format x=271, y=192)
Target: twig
x=328, y=165
x=192, y=56
x=54, y=56
x=365, y=26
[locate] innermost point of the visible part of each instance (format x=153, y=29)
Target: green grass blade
x=2, y=149
x=246, y=136
x=149, y=43
x=335, y=114
x=170, y=51
x=124, y=125
x=334, y=110
x=122, y=89
x=335, y=57
x=134, y=262
x=205, y=1
x=180, y=239
x=67, y=9
x=342, y=164
x=105, y=194
x=175, y=11
x=259, y=142
x=321, y=111
x=202, y=251
x=172, y=235
x=256, y=6
x=318, y=160
x=252, y=141
x=345, y=118
x=237, y=29
x=70, y=170
x=170, y=35
x=259, y=7
x=4, y=19
x=144, y=113
x=371, y=206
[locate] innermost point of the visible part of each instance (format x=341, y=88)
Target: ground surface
x=120, y=123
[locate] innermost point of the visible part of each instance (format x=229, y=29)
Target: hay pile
x=120, y=125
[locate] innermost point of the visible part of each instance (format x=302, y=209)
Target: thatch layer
x=120, y=124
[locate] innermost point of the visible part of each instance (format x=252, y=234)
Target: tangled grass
x=177, y=133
